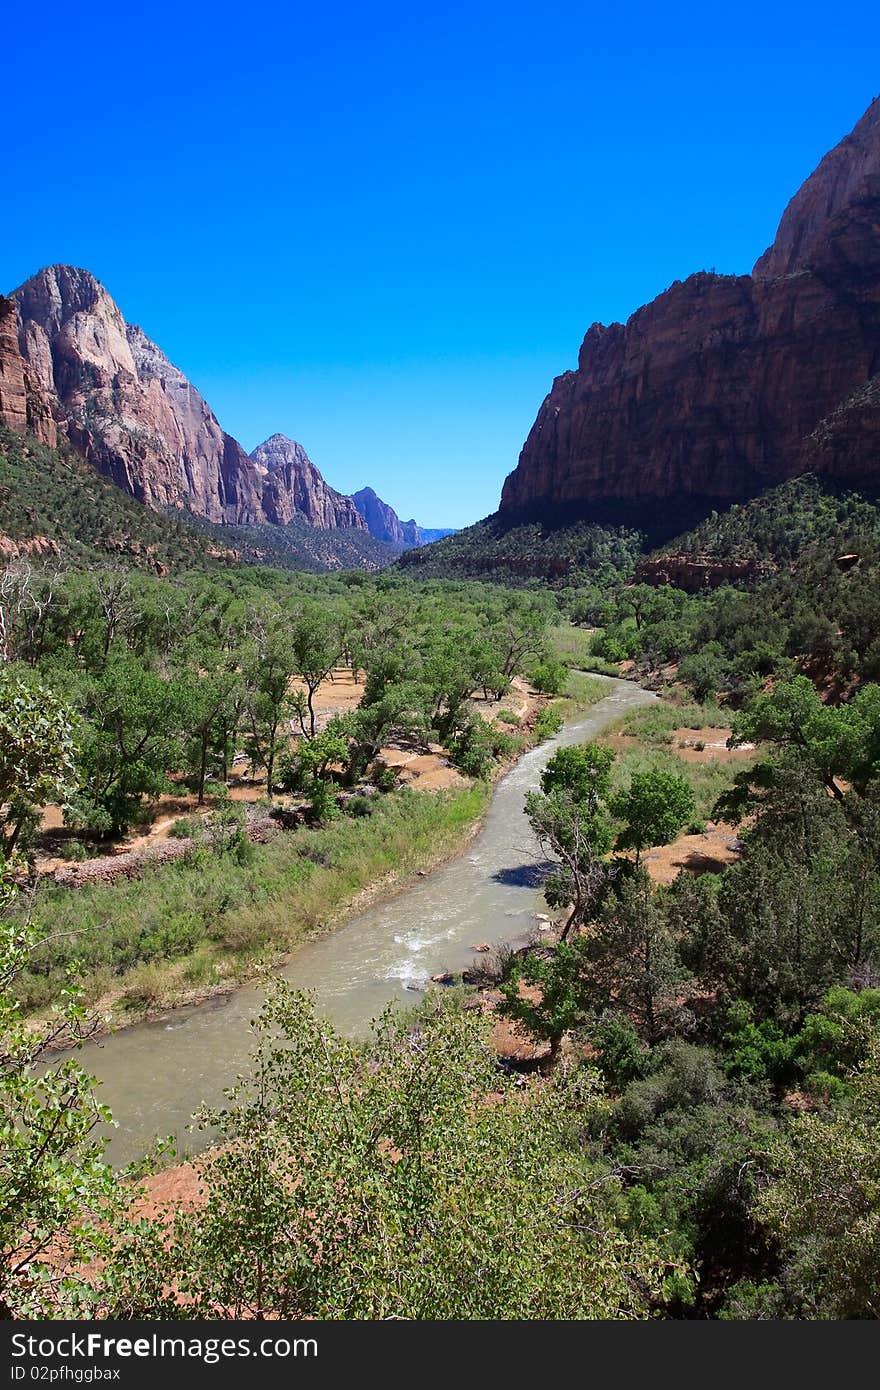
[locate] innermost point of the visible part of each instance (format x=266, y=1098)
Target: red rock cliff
x=67, y=352
x=713, y=391
x=292, y=486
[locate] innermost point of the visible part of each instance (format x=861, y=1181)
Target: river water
x=154, y=1075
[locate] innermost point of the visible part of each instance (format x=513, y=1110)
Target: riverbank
x=201, y=927
x=155, y=1075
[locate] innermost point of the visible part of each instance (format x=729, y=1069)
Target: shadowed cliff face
x=383, y=521
x=723, y=384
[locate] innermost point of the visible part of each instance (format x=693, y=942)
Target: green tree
x=548, y=992
x=128, y=746
x=269, y=670
x=316, y=643
x=633, y=958
x=355, y=1184
x=823, y=1205
x=654, y=808
x=571, y=823
x=53, y=1181
x=36, y=753
x=582, y=771
x=837, y=742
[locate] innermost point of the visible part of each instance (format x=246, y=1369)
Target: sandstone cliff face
x=383, y=522
x=22, y=406
x=847, y=176
x=69, y=360
x=120, y=401
x=292, y=486
x=695, y=573
x=13, y=398
x=712, y=392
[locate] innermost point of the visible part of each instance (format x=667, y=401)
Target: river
x=154, y=1075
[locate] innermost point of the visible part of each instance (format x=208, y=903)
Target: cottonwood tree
x=401, y=1179
x=572, y=824
x=36, y=753
x=654, y=808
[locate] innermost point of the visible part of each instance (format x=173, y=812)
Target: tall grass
x=208, y=919
x=580, y=692
x=707, y=779
x=655, y=724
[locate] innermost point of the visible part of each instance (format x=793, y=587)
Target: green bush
x=548, y=722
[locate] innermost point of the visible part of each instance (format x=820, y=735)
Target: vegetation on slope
x=55, y=493
x=529, y=554
x=784, y=523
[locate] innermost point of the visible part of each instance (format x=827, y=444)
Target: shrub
x=549, y=677
x=385, y=777
x=548, y=722
x=185, y=828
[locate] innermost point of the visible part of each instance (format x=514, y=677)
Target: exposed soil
x=707, y=853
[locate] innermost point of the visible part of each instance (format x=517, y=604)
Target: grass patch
x=656, y=724
x=208, y=920
x=580, y=693
x=568, y=643
x=707, y=779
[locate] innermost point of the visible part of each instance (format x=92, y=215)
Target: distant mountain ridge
x=384, y=523
x=72, y=369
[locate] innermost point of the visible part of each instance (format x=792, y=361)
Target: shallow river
x=154, y=1075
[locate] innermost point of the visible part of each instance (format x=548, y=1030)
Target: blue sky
x=383, y=229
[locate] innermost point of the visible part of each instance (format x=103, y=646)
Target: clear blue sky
x=384, y=228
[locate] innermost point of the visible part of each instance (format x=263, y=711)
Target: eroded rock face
x=128, y=409
x=292, y=486
x=68, y=356
x=711, y=393
x=383, y=522
x=22, y=405
x=695, y=573
x=13, y=399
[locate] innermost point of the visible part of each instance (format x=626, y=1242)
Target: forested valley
x=202, y=765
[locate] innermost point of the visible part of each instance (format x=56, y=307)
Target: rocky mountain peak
x=716, y=390
x=849, y=174
x=57, y=292
x=292, y=485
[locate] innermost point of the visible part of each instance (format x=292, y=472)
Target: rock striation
x=72, y=368
x=726, y=385
x=292, y=486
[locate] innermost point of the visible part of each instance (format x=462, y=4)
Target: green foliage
x=654, y=808
x=356, y=1184
x=823, y=1205
x=548, y=722
x=522, y=554
x=52, y=1177
x=783, y=523
x=247, y=903
x=36, y=752
x=549, y=677
x=582, y=772
x=547, y=991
